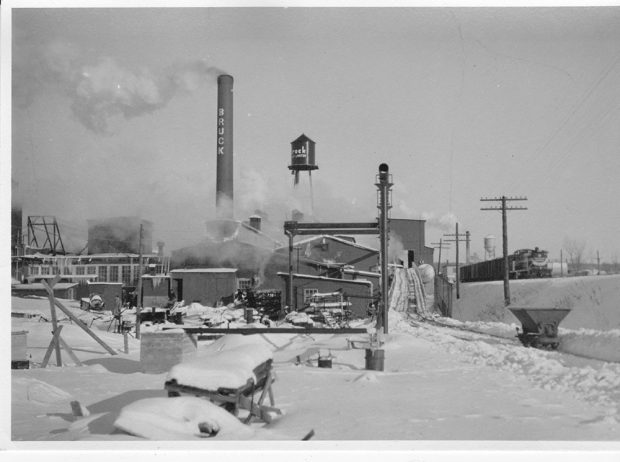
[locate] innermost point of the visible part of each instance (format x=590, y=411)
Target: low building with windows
x=108, y=267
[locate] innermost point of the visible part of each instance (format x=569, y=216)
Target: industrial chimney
x=224, y=180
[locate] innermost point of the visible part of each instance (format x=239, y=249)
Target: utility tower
x=504, y=208
x=44, y=235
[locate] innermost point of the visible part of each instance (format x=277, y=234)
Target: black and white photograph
x=347, y=226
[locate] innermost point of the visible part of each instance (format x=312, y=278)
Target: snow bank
x=180, y=418
x=227, y=368
x=592, y=344
x=39, y=392
x=589, y=343
x=593, y=300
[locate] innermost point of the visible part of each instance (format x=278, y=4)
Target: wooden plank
x=50, y=348
x=84, y=327
x=50, y=295
x=69, y=350
x=271, y=330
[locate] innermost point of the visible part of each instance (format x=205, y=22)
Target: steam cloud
x=443, y=222
x=102, y=89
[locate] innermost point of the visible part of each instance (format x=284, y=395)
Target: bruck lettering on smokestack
x=224, y=180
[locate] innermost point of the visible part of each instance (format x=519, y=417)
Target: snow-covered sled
x=231, y=378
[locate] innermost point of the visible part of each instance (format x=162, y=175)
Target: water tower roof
x=302, y=138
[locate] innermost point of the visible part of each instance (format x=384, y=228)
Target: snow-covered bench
x=230, y=378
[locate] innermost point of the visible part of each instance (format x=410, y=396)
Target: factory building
x=411, y=234
x=229, y=244
x=357, y=293
x=113, y=256
x=206, y=286
x=119, y=235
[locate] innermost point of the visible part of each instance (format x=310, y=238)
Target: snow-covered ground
x=443, y=381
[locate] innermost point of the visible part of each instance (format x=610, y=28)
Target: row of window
x=105, y=273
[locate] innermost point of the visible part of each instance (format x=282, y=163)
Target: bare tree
x=575, y=249
x=615, y=259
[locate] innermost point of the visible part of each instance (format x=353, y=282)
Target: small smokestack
x=224, y=181
x=160, y=248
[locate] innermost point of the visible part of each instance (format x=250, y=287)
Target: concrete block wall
x=159, y=351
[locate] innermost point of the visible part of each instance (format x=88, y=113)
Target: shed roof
x=39, y=286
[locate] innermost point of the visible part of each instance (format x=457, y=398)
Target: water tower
x=489, y=247
x=302, y=160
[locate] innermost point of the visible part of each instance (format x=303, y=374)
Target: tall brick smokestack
x=224, y=181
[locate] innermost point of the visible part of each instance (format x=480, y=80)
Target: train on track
x=522, y=264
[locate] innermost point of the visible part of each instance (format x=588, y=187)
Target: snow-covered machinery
x=539, y=326
x=230, y=378
x=331, y=309
x=96, y=302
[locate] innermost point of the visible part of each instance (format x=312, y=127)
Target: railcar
x=522, y=264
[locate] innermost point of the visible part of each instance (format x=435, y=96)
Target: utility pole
x=384, y=185
x=140, y=270
x=457, y=239
x=504, y=208
x=598, y=264
x=561, y=264
x=439, y=245
x=467, y=242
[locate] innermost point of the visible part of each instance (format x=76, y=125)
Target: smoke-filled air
x=100, y=88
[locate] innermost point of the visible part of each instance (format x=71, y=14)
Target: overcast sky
x=114, y=113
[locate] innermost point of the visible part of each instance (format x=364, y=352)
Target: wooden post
x=439, y=260
x=50, y=296
x=125, y=341
x=505, y=253
x=140, y=270
x=458, y=293
x=50, y=348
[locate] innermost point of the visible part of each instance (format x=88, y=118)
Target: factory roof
x=204, y=270
x=329, y=236
x=323, y=278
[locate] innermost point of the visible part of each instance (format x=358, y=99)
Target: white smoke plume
x=445, y=222
x=101, y=89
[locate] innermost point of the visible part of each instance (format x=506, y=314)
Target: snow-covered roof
x=204, y=270
x=323, y=278
x=39, y=286
x=95, y=283
x=88, y=256
x=333, y=238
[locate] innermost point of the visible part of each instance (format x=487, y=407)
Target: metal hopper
x=540, y=325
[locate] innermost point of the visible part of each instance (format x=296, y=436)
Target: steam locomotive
x=522, y=264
